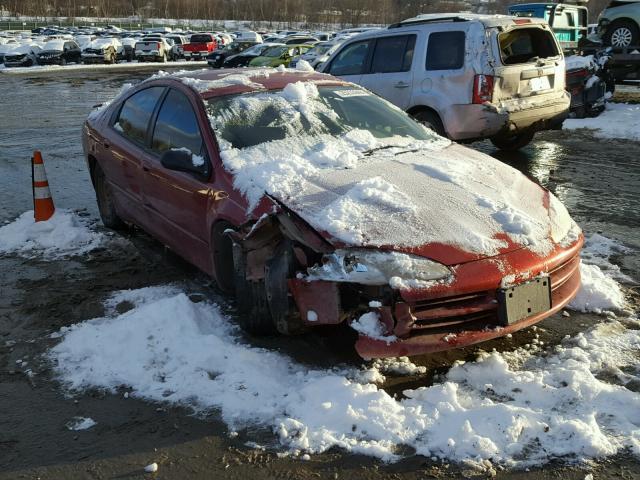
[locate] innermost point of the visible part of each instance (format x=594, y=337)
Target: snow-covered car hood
x=455, y=197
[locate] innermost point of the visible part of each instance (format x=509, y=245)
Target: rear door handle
x=106, y=145
x=401, y=85
x=145, y=169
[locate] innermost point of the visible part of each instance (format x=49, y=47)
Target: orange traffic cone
x=43, y=207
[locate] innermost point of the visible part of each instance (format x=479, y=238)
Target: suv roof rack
x=418, y=21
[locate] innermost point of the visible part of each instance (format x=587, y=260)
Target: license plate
x=522, y=301
x=539, y=83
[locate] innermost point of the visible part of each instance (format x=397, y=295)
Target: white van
x=465, y=76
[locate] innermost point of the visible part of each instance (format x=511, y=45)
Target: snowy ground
x=575, y=402
x=619, y=120
x=118, y=67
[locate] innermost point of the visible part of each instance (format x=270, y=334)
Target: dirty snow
x=80, y=423
x=516, y=409
x=387, y=197
x=65, y=233
x=619, y=120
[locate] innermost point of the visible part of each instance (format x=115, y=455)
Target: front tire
x=513, y=142
x=622, y=33
x=106, y=205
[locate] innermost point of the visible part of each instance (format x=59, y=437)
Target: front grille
x=476, y=310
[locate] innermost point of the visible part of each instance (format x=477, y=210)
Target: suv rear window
x=523, y=45
x=445, y=51
x=201, y=39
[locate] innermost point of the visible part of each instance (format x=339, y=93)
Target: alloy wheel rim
x=621, y=37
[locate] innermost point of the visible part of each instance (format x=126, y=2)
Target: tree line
x=311, y=12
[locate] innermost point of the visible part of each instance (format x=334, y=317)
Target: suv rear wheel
x=513, y=142
x=622, y=33
x=431, y=120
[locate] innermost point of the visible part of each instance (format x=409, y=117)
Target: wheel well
x=422, y=108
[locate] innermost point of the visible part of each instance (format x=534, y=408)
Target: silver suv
x=465, y=76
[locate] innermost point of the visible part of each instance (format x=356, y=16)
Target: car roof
x=258, y=79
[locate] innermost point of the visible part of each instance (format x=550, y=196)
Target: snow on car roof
x=54, y=45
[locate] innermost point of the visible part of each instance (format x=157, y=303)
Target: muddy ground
x=599, y=181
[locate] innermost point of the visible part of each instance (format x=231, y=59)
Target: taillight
x=482, y=88
x=158, y=45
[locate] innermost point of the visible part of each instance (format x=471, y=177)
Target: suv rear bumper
x=469, y=122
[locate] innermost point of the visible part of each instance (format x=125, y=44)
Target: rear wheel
x=622, y=33
x=106, y=206
x=431, y=120
x=514, y=141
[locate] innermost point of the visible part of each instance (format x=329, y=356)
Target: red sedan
x=317, y=202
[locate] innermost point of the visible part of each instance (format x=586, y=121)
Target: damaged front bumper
x=445, y=315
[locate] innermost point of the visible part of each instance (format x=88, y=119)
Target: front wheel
x=106, y=206
x=513, y=141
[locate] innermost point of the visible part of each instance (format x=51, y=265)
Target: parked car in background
x=465, y=76
x=569, y=22
x=317, y=55
x=101, y=50
x=163, y=156
x=200, y=46
x=244, y=58
x=153, y=48
x=59, y=52
x=276, y=56
x=216, y=58
x=299, y=40
x=127, y=49
x=22, y=56
x=6, y=48
x=619, y=24
x=178, y=44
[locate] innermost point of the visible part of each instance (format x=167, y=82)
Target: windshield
x=305, y=110
x=274, y=52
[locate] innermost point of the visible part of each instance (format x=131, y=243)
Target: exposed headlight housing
x=375, y=267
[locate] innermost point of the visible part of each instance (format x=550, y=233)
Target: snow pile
x=80, y=423
x=369, y=324
x=63, y=234
x=575, y=62
x=619, y=120
x=599, y=291
x=304, y=66
x=516, y=409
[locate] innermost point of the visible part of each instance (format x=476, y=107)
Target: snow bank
x=515, y=409
x=619, y=120
x=63, y=234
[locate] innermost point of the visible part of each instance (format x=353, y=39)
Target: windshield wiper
x=384, y=147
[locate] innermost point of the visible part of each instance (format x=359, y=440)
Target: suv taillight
x=482, y=88
x=158, y=45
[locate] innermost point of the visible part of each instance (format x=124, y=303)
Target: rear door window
x=136, y=111
x=177, y=128
x=523, y=45
x=445, y=51
x=351, y=60
x=393, y=54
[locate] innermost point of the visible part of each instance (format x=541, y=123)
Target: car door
x=177, y=202
x=124, y=147
x=351, y=61
x=390, y=74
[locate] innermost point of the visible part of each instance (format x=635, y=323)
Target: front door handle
x=401, y=85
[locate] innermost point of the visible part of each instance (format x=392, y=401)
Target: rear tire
x=513, y=142
x=106, y=206
x=622, y=33
x=431, y=120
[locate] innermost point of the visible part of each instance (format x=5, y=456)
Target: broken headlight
x=372, y=267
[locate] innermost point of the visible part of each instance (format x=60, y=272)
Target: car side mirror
x=180, y=160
